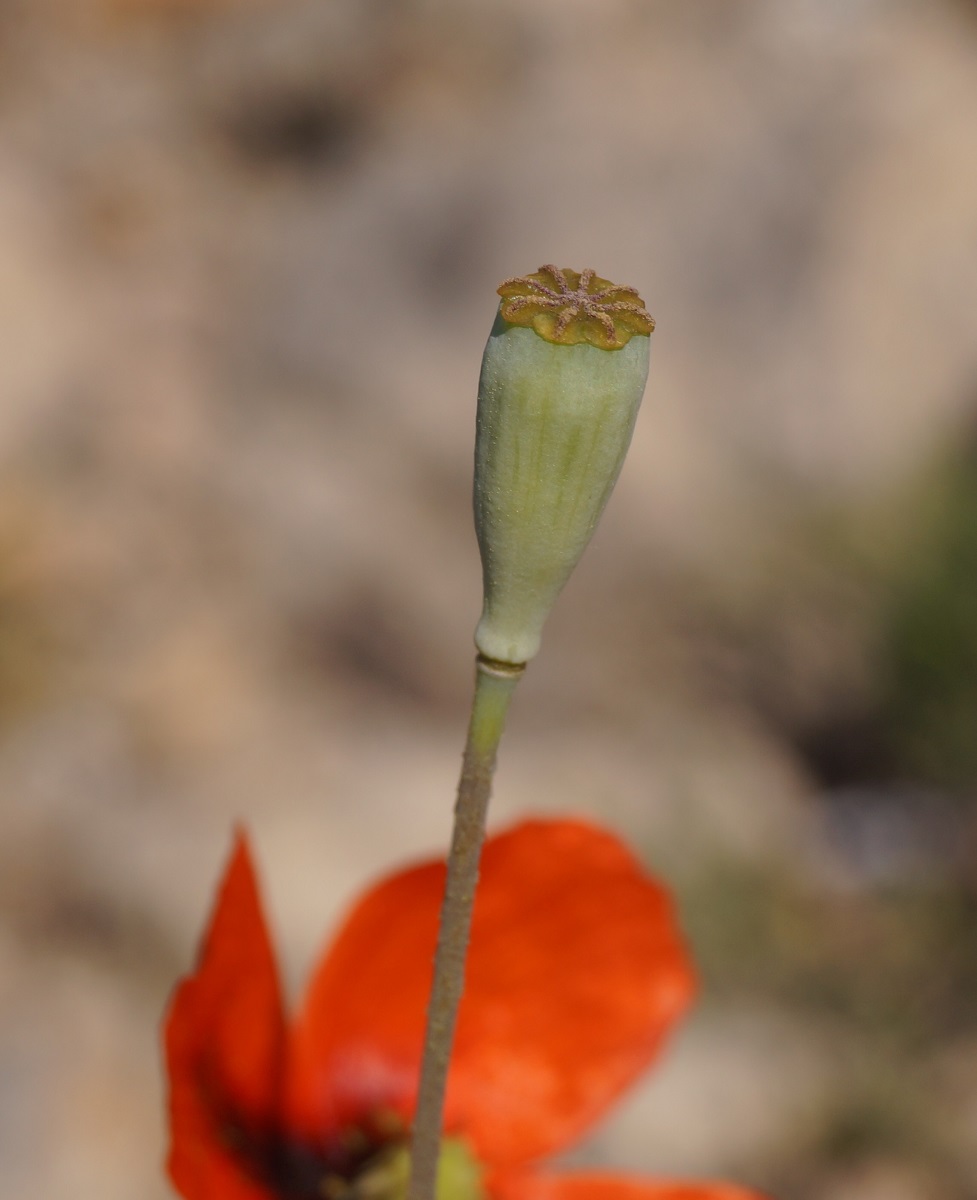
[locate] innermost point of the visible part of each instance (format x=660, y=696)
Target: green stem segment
x=494, y=685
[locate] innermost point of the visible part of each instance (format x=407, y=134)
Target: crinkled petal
x=225, y=1036
x=354, y=1050
x=531, y=1186
x=576, y=972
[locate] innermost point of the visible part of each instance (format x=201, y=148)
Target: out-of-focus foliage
x=929, y=682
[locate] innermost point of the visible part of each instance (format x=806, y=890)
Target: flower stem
x=494, y=685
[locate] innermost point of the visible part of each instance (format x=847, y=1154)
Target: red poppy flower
x=575, y=974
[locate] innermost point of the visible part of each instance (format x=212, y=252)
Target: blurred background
x=248, y=253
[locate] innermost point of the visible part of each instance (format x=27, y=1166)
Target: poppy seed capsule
x=562, y=377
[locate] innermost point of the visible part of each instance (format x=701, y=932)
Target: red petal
x=355, y=1046
x=225, y=1046
x=609, y=1187
x=575, y=974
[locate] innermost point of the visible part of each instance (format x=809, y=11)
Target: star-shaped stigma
x=568, y=307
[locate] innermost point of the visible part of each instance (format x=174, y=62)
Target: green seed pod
x=562, y=378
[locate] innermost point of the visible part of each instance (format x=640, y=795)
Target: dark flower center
x=293, y=1170
x=364, y=1164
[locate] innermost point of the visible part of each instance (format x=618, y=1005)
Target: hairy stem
x=494, y=685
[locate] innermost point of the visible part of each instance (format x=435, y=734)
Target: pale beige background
x=248, y=254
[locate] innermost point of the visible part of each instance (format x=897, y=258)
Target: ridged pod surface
x=562, y=378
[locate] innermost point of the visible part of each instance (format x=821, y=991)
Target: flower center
x=385, y=1177
x=364, y=1167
